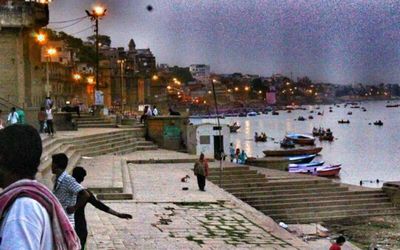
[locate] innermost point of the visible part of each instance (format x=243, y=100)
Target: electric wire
x=67, y=21
x=80, y=31
x=70, y=25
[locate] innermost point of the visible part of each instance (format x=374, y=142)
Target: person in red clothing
x=339, y=243
x=201, y=171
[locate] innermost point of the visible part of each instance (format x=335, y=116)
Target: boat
x=331, y=110
x=392, y=105
x=289, y=111
x=349, y=113
x=310, y=117
x=252, y=114
x=301, y=118
x=242, y=115
x=378, y=123
x=311, y=111
x=287, y=143
x=344, y=121
x=301, y=139
x=275, y=113
x=306, y=165
x=323, y=171
x=260, y=139
x=326, y=137
x=329, y=171
x=364, y=109
x=319, y=113
x=355, y=107
x=292, y=151
x=234, y=128
x=302, y=158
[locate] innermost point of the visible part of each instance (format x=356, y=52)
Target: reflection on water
x=366, y=152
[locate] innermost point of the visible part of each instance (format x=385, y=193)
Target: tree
x=103, y=40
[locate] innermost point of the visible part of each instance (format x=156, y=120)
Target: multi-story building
x=200, y=72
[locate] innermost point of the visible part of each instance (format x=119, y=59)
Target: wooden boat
x=234, y=128
x=287, y=144
x=311, y=111
x=306, y=165
x=292, y=151
x=392, y=105
x=260, y=139
x=275, y=113
x=301, y=139
x=326, y=137
x=280, y=163
x=252, y=114
x=319, y=113
x=344, y=122
x=302, y=158
x=310, y=117
x=242, y=115
x=329, y=171
x=323, y=171
x=331, y=110
x=289, y=111
x=378, y=123
x=300, y=118
x=355, y=107
x=349, y=113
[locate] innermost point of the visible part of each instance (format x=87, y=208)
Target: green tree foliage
x=103, y=40
x=183, y=74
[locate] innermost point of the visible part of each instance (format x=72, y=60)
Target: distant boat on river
x=292, y=151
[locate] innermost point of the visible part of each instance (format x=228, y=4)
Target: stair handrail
x=6, y=103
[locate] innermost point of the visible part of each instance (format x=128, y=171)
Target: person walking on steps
x=79, y=174
x=49, y=121
x=201, y=171
x=12, y=117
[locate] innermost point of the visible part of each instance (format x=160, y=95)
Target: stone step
x=115, y=196
x=230, y=169
x=139, y=148
x=55, y=149
x=294, y=191
x=134, y=133
x=100, y=125
x=86, y=150
x=81, y=122
x=237, y=178
x=306, y=205
x=108, y=140
x=232, y=174
x=272, y=199
x=90, y=118
x=324, y=210
x=279, y=185
x=336, y=215
x=131, y=147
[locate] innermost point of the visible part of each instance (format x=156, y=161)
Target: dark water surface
x=366, y=152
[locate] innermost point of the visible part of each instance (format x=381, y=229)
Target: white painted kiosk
x=204, y=138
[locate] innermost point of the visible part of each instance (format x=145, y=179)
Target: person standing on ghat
x=201, y=171
x=79, y=174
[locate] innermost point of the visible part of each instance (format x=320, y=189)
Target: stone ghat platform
x=297, y=198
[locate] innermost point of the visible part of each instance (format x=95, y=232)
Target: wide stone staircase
x=295, y=198
x=117, y=142
x=94, y=121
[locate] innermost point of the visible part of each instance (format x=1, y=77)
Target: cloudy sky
x=331, y=40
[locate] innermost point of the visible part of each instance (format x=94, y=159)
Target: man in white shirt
x=31, y=217
x=155, y=111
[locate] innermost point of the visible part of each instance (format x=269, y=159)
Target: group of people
x=149, y=112
x=16, y=116
x=236, y=155
x=32, y=216
x=261, y=137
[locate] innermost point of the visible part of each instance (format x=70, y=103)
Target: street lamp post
x=97, y=13
x=122, y=63
x=50, y=52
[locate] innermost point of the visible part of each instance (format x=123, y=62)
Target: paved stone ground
x=167, y=217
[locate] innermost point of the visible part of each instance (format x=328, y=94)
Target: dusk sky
x=333, y=41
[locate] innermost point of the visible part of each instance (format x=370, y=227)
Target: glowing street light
x=51, y=51
x=155, y=77
x=246, y=88
x=41, y=38
x=236, y=89
x=77, y=76
x=260, y=92
x=99, y=11
x=209, y=92
x=90, y=80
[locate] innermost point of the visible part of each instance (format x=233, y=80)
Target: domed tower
x=20, y=74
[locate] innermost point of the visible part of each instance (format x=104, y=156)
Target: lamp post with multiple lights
x=49, y=52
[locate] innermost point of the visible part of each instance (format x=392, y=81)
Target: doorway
x=218, y=146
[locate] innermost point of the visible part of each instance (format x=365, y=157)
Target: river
x=366, y=152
